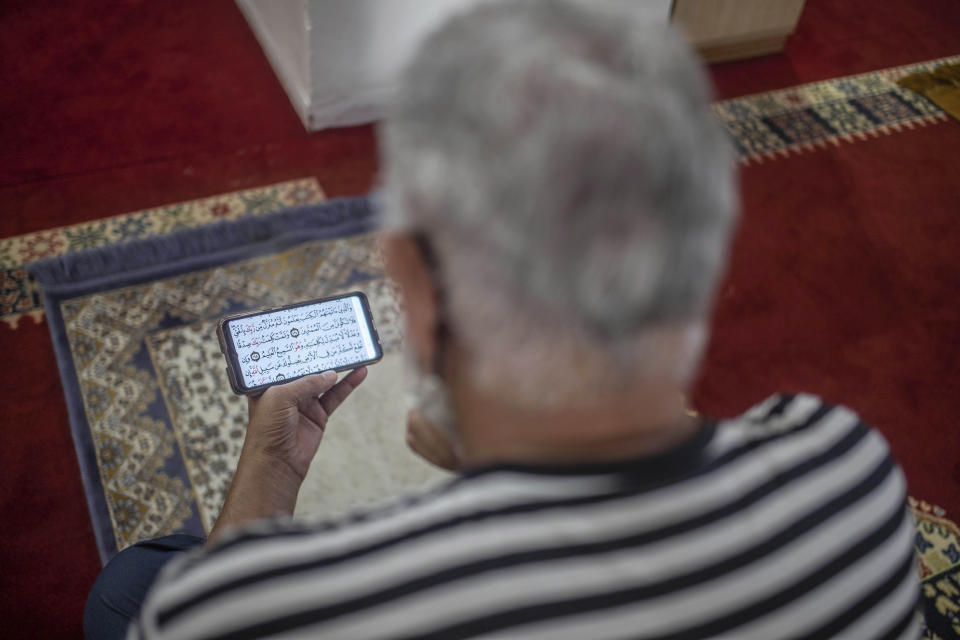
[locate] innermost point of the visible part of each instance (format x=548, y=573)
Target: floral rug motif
x=19, y=295
x=775, y=124
x=938, y=562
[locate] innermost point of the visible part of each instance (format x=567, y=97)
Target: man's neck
x=641, y=421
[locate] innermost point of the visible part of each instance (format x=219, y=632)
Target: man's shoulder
x=796, y=438
x=783, y=411
x=790, y=415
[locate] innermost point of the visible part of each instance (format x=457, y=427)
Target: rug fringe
x=797, y=148
x=304, y=221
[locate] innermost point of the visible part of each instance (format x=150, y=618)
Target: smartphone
x=277, y=345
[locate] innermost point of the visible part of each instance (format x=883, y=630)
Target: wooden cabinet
x=734, y=29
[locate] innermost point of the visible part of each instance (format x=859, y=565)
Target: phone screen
x=283, y=344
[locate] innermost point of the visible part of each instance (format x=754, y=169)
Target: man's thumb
x=308, y=386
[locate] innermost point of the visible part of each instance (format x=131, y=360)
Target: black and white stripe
x=791, y=523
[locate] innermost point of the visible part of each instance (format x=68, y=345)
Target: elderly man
x=558, y=201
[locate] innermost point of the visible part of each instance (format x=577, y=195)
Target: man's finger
x=305, y=387
x=335, y=396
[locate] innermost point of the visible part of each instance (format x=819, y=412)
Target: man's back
x=789, y=521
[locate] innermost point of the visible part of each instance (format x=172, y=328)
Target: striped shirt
x=789, y=521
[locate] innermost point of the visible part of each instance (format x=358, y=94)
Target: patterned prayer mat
x=156, y=427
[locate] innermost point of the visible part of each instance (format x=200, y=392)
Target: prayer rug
x=156, y=427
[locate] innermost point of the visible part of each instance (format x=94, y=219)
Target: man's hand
x=286, y=426
x=432, y=443
x=287, y=421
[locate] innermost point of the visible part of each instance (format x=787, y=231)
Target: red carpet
x=843, y=280
x=126, y=105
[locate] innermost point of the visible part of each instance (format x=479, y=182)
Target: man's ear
x=405, y=264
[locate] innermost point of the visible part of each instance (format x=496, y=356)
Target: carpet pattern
x=777, y=123
x=938, y=561
x=19, y=295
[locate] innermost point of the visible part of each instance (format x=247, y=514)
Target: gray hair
x=564, y=161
